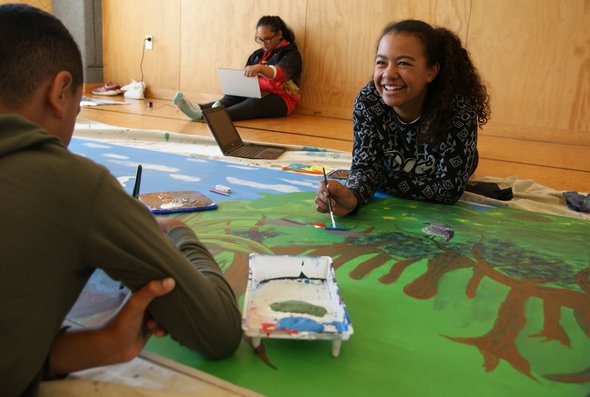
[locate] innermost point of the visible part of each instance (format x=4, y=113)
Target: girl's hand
x=343, y=201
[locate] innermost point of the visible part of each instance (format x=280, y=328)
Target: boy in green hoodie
x=64, y=216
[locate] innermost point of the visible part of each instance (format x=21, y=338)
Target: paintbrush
x=137, y=182
x=135, y=195
x=329, y=200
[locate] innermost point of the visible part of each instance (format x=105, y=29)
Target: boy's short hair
x=34, y=46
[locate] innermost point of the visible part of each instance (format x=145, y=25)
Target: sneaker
x=192, y=110
x=107, y=89
x=134, y=90
x=127, y=86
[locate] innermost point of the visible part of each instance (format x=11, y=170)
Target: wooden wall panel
x=535, y=56
x=220, y=33
x=125, y=25
x=342, y=38
x=45, y=5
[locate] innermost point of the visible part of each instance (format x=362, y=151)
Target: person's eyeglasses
x=260, y=40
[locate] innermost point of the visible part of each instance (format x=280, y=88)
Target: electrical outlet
x=148, y=42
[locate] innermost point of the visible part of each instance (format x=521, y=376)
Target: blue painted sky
x=163, y=172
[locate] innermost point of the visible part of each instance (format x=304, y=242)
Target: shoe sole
x=134, y=96
x=106, y=93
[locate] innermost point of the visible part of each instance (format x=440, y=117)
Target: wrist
x=354, y=203
x=79, y=349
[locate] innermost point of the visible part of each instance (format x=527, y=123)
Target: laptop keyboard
x=248, y=151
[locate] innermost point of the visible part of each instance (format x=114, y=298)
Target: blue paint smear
x=341, y=326
x=298, y=166
x=313, y=149
x=300, y=324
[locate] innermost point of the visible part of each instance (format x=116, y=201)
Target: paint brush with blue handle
x=329, y=200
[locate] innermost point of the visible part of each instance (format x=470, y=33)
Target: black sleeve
x=290, y=63
x=366, y=169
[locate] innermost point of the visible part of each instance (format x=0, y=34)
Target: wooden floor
x=561, y=166
x=321, y=132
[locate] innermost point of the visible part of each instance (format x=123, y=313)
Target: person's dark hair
x=457, y=75
x=34, y=46
x=276, y=23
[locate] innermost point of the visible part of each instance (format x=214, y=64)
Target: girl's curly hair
x=457, y=76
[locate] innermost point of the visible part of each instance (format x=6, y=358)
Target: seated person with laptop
x=277, y=65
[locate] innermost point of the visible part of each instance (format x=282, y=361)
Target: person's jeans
x=242, y=108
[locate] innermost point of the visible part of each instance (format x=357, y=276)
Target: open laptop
x=229, y=141
x=233, y=82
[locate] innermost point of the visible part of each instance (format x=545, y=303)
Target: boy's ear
x=59, y=92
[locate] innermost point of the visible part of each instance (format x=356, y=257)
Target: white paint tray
x=294, y=297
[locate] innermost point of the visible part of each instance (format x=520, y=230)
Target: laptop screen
x=222, y=128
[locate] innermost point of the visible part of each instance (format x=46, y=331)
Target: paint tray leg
x=255, y=342
x=336, y=347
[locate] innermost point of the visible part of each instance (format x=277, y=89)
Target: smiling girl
x=415, y=123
